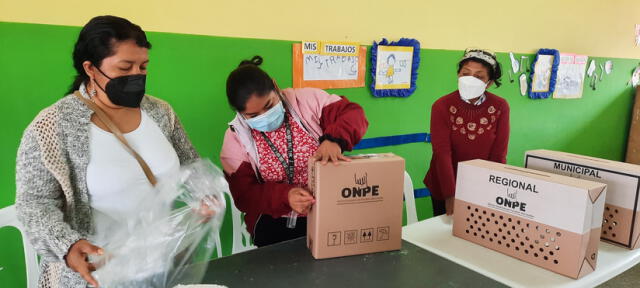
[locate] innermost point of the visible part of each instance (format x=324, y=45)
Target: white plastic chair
x=410, y=200
x=241, y=240
x=8, y=218
x=241, y=237
x=218, y=245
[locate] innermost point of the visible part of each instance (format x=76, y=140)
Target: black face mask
x=126, y=90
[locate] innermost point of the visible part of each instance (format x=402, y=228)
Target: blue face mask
x=269, y=121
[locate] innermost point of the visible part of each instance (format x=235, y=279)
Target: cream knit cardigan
x=52, y=200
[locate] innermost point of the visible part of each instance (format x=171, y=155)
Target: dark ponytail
x=96, y=41
x=256, y=61
x=247, y=80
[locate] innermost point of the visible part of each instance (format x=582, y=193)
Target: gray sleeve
x=40, y=200
x=181, y=143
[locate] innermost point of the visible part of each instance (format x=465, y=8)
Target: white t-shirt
x=115, y=180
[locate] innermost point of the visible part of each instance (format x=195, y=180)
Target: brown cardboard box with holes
x=621, y=224
x=548, y=220
x=358, y=206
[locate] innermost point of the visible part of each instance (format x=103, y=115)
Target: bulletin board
x=325, y=69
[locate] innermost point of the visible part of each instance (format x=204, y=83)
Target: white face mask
x=471, y=87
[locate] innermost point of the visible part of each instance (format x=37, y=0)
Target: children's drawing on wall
x=542, y=73
x=394, y=67
x=394, y=73
x=545, y=71
x=391, y=61
x=326, y=64
x=571, y=72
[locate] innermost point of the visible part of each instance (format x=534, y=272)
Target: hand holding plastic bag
x=159, y=244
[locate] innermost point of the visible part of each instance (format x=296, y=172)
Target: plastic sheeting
x=171, y=236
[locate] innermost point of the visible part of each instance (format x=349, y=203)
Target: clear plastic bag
x=171, y=236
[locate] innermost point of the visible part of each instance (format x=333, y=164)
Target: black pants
x=271, y=231
x=438, y=207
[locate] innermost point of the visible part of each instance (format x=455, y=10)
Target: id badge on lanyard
x=289, y=166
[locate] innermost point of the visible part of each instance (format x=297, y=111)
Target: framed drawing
x=544, y=74
x=394, y=67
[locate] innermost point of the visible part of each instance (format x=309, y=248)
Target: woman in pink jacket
x=269, y=143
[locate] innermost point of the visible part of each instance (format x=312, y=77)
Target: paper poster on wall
x=571, y=72
x=394, y=67
x=637, y=34
x=544, y=73
x=328, y=64
x=635, y=77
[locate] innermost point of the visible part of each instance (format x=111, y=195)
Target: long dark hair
x=96, y=41
x=246, y=80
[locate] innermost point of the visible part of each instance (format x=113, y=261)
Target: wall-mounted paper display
x=635, y=77
x=608, y=67
x=592, y=68
x=327, y=64
x=515, y=67
x=394, y=67
x=523, y=84
x=524, y=64
x=545, y=71
x=570, y=76
x=637, y=34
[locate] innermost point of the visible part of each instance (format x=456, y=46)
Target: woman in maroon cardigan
x=467, y=124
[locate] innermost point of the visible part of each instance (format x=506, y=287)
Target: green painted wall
x=190, y=71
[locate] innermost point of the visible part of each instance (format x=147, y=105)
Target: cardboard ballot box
x=358, y=206
x=548, y=220
x=621, y=224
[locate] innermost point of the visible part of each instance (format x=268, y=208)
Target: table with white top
x=435, y=235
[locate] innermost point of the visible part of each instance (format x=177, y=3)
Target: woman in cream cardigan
x=73, y=175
